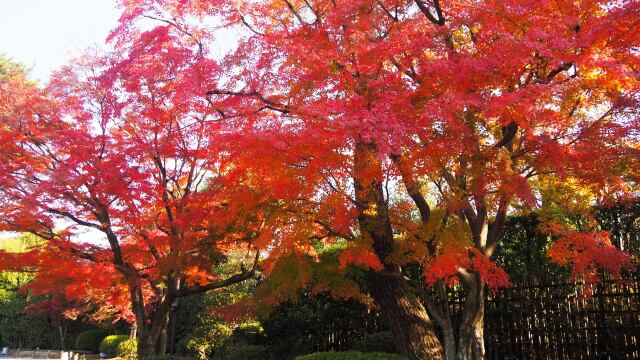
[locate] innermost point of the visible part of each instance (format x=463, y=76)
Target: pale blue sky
x=44, y=34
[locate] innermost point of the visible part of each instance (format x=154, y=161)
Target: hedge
x=350, y=355
x=242, y=352
x=128, y=349
x=109, y=344
x=376, y=342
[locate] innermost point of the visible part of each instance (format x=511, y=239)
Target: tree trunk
x=162, y=339
x=153, y=340
x=449, y=340
x=146, y=346
x=62, y=329
x=471, y=342
x=407, y=318
x=402, y=310
x=174, y=318
x=152, y=331
x=150, y=342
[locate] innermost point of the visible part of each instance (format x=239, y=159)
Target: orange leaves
x=588, y=254
x=493, y=276
x=362, y=257
x=196, y=275
x=338, y=213
x=180, y=155
x=446, y=265
x=457, y=260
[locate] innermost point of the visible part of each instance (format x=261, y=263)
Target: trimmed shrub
x=377, y=342
x=90, y=340
x=242, y=352
x=128, y=349
x=109, y=344
x=160, y=357
x=350, y=355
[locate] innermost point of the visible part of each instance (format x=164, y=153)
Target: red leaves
x=178, y=154
x=366, y=258
x=458, y=260
x=446, y=265
x=588, y=254
x=493, y=276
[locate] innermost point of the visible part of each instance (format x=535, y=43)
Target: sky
x=44, y=34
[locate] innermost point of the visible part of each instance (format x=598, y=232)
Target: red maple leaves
x=177, y=154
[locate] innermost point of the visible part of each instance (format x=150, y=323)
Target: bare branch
x=243, y=275
x=269, y=104
x=439, y=18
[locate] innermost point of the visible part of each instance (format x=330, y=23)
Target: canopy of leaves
x=458, y=114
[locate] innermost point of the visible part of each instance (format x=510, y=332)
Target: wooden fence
x=529, y=321
x=563, y=321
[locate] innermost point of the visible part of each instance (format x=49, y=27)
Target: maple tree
x=427, y=123
x=120, y=147
x=410, y=130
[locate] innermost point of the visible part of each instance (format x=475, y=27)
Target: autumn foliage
x=407, y=130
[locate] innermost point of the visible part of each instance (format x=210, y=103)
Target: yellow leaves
x=566, y=195
x=371, y=211
x=593, y=74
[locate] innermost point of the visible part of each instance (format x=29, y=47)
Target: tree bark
x=174, y=318
x=146, y=346
x=162, y=339
x=406, y=317
x=150, y=327
x=449, y=339
x=402, y=310
x=471, y=341
x=62, y=329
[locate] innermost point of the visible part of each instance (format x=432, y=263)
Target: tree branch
x=242, y=276
x=439, y=18
x=508, y=134
x=269, y=104
x=413, y=189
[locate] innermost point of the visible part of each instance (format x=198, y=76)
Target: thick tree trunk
x=151, y=329
x=150, y=342
x=146, y=347
x=407, y=318
x=174, y=318
x=449, y=340
x=471, y=341
x=402, y=310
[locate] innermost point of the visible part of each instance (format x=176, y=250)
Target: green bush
x=350, y=355
x=242, y=352
x=128, y=349
x=249, y=333
x=160, y=357
x=109, y=345
x=376, y=342
x=209, y=335
x=90, y=339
